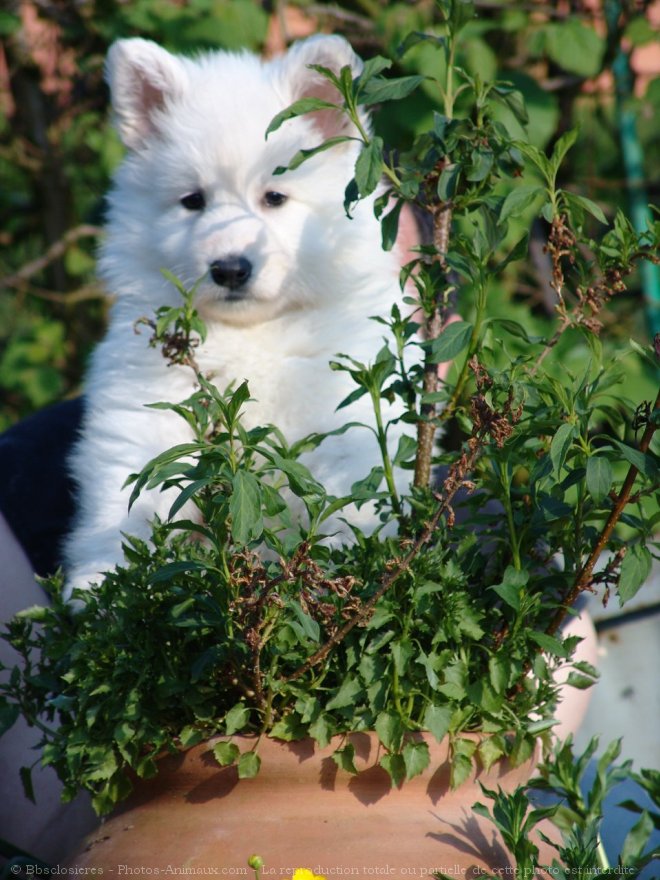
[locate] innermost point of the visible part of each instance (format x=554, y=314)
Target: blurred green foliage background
x=588, y=63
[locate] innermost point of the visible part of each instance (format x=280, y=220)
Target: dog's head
x=198, y=194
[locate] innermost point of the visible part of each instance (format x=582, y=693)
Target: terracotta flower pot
x=573, y=702
x=302, y=811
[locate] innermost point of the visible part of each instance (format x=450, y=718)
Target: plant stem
x=583, y=580
x=442, y=216
x=399, y=567
x=381, y=436
x=449, y=89
x=603, y=861
x=426, y=427
x=508, y=508
x=473, y=345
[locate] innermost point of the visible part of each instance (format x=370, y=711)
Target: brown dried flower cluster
x=177, y=347
x=596, y=296
x=486, y=421
x=561, y=244
x=328, y=601
x=609, y=576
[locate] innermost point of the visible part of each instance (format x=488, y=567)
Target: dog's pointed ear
x=333, y=52
x=142, y=78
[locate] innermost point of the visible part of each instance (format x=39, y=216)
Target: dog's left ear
x=333, y=52
x=143, y=79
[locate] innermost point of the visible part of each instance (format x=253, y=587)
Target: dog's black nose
x=232, y=272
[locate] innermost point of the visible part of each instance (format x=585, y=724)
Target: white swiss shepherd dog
x=288, y=281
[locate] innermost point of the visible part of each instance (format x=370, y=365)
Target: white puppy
x=288, y=280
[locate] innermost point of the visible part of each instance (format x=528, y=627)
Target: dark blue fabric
x=37, y=495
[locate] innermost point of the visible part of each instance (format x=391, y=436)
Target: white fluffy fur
x=317, y=276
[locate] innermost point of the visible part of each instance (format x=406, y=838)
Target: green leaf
x=549, y=644
x=581, y=682
x=523, y=749
x=373, y=67
x=481, y=162
x=346, y=695
x=490, y=750
x=369, y=167
x=321, y=731
x=105, y=765
x=645, y=352
x=514, y=100
x=461, y=763
x=575, y=47
x=301, y=482
x=635, y=569
x=9, y=713
x=9, y=24
x=248, y=765
x=401, y=652
x=36, y=613
x=299, y=108
x=461, y=12
x=416, y=758
x=25, y=774
x=645, y=464
x=537, y=158
x=273, y=502
x=185, y=495
x=498, y=673
x=389, y=728
x=150, y=472
x=599, y=477
x=511, y=586
x=303, y=155
x=428, y=662
x=636, y=840
x=389, y=226
x=639, y=31
x=288, y=728
x=344, y=758
x=561, y=148
x=448, y=182
x=415, y=38
x=309, y=626
x=518, y=200
x=517, y=252
x=450, y=342
x=378, y=90
x=515, y=329
x=455, y=674
x=561, y=445
x=437, y=720
x=245, y=508
x=237, y=718
x=169, y=572
x=226, y=753
x=582, y=202
x=395, y=766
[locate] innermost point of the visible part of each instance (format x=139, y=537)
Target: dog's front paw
x=77, y=582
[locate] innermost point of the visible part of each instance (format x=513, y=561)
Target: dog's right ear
x=142, y=77
x=332, y=52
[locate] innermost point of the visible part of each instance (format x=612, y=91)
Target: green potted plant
x=414, y=658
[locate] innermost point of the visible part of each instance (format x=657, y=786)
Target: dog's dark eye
x=194, y=201
x=274, y=199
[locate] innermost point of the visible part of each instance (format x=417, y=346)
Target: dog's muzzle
x=232, y=272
